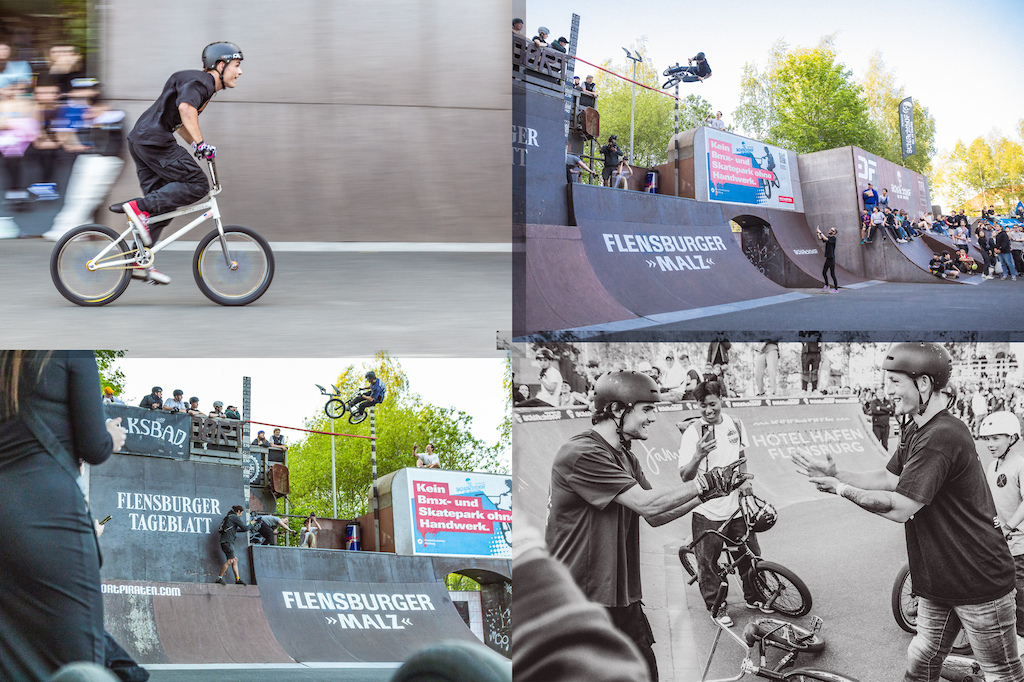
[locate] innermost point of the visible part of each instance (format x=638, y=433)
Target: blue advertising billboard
x=745, y=171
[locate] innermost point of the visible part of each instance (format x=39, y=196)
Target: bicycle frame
x=730, y=543
x=210, y=210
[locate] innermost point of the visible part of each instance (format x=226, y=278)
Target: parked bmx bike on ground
x=92, y=264
x=779, y=588
x=904, y=610
x=335, y=407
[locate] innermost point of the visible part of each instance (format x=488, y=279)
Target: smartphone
x=704, y=428
x=104, y=520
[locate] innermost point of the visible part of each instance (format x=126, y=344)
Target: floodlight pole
x=632, y=103
x=334, y=474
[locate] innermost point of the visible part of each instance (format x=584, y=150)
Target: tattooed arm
x=885, y=503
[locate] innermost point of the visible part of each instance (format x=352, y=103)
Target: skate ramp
x=655, y=254
x=890, y=260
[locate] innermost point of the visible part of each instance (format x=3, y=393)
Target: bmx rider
x=168, y=175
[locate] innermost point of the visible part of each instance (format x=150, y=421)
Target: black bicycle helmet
x=220, y=52
x=760, y=515
x=699, y=57
x=370, y=375
x=625, y=388
x=919, y=359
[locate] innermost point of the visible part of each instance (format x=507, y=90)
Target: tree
x=992, y=168
x=806, y=101
x=654, y=115
x=401, y=421
x=883, y=98
x=109, y=374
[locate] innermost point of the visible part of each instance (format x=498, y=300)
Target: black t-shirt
x=157, y=124
x=150, y=401
x=596, y=538
x=230, y=527
x=702, y=69
x=612, y=156
x=957, y=554
x=830, y=248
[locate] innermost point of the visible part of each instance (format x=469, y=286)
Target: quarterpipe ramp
x=311, y=606
x=885, y=258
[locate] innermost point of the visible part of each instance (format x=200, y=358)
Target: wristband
x=702, y=485
x=840, y=489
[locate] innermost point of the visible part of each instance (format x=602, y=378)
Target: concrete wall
x=383, y=121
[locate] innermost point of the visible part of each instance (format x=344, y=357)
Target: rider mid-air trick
x=688, y=74
x=167, y=173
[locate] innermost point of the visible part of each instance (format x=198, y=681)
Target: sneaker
x=220, y=580
x=834, y=291
x=759, y=606
x=151, y=275
x=239, y=581
x=9, y=229
x=133, y=211
x=825, y=288
x=724, y=619
x=1003, y=278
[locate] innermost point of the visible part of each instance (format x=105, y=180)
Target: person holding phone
x=309, y=530
x=710, y=440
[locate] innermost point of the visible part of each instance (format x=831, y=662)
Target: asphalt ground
x=319, y=304
x=990, y=310
x=256, y=673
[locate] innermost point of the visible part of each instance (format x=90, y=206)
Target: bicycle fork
x=215, y=210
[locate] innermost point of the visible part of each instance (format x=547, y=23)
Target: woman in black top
x=51, y=612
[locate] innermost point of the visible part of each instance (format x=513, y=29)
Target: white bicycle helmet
x=1000, y=424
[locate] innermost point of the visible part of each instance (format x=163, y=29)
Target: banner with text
x=743, y=171
x=152, y=432
x=460, y=513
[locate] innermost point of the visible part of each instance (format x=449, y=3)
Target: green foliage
x=654, y=117
x=992, y=168
x=109, y=374
x=402, y=421
x=883, y=97
x=806, y=101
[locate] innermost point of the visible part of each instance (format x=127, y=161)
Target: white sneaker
x=151, y=275
x=724, y=619
x=9, y=229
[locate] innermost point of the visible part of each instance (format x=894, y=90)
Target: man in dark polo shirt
x=599, y=492
x=961, y=566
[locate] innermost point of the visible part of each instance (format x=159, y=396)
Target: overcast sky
x=963, y=61
x=283, y=390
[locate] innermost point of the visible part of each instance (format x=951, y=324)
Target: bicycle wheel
x=246, y=279
x=767, y=188
x=335, y=408
x=790, y=635
x=74, y=280
x=356, y=417
x=689, y=561
x=812, y=675
x=904, y=601
x=781, y=589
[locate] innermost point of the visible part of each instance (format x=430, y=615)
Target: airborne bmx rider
x=168, y=175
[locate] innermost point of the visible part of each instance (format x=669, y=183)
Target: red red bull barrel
x=352, y=537
x=652, y=182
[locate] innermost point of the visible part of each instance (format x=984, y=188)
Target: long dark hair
x=15, y=366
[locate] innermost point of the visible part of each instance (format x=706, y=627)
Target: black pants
x=710, y=548
x=881, y=432
x=809, y=364
x=632, y=621
x=830, y=266
x=170, y=178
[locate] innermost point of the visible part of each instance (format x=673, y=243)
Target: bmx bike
x=233, y=265
x=766, y=185
x=779, y=588
x=773, y=633
x=335, y=407
x=904, y=610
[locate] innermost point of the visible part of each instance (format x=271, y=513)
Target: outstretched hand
x=812, y=466
x=826, y=484
x=720, y=481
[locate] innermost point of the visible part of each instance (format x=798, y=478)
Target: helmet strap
x=623, y=441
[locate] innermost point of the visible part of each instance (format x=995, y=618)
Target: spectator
x=936, y=265
x=154, y=400
x=959, y=235
x=267, y=526
x=561, y=45
x=881, y=410
x=766, y=365
x=949, y=266
x=573, y=166
x=1016, y=236
x=674, y=374
x=427, y=459
x=65, y=66
x=612, y=156
x=218, y=410
x=310, y=528
x=883, y=200
x=277, y=440
x=979, y=406
x=576, y=83
x=550, y=377
x=46, y=150
x=12, y=71
x=541, y=39
x=718, y=123
x=52, y=605
x=371, y=395
x=965, y=263
x=522, y=394
x=877, y=221
x=229, y=527
x=718, y=356
x=983, y=233
x=177, y=403
x=96, y=135
x=110, y=397
x=1000, y=432
x=621, y=175
x=517, y=27
x=865, y=225
x=870, y=199
x=692, y=377
x=590, y=86
x=193, y=407
x=261, y=439
x=810, y=362
x=232, y=413
x=1004, y=253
